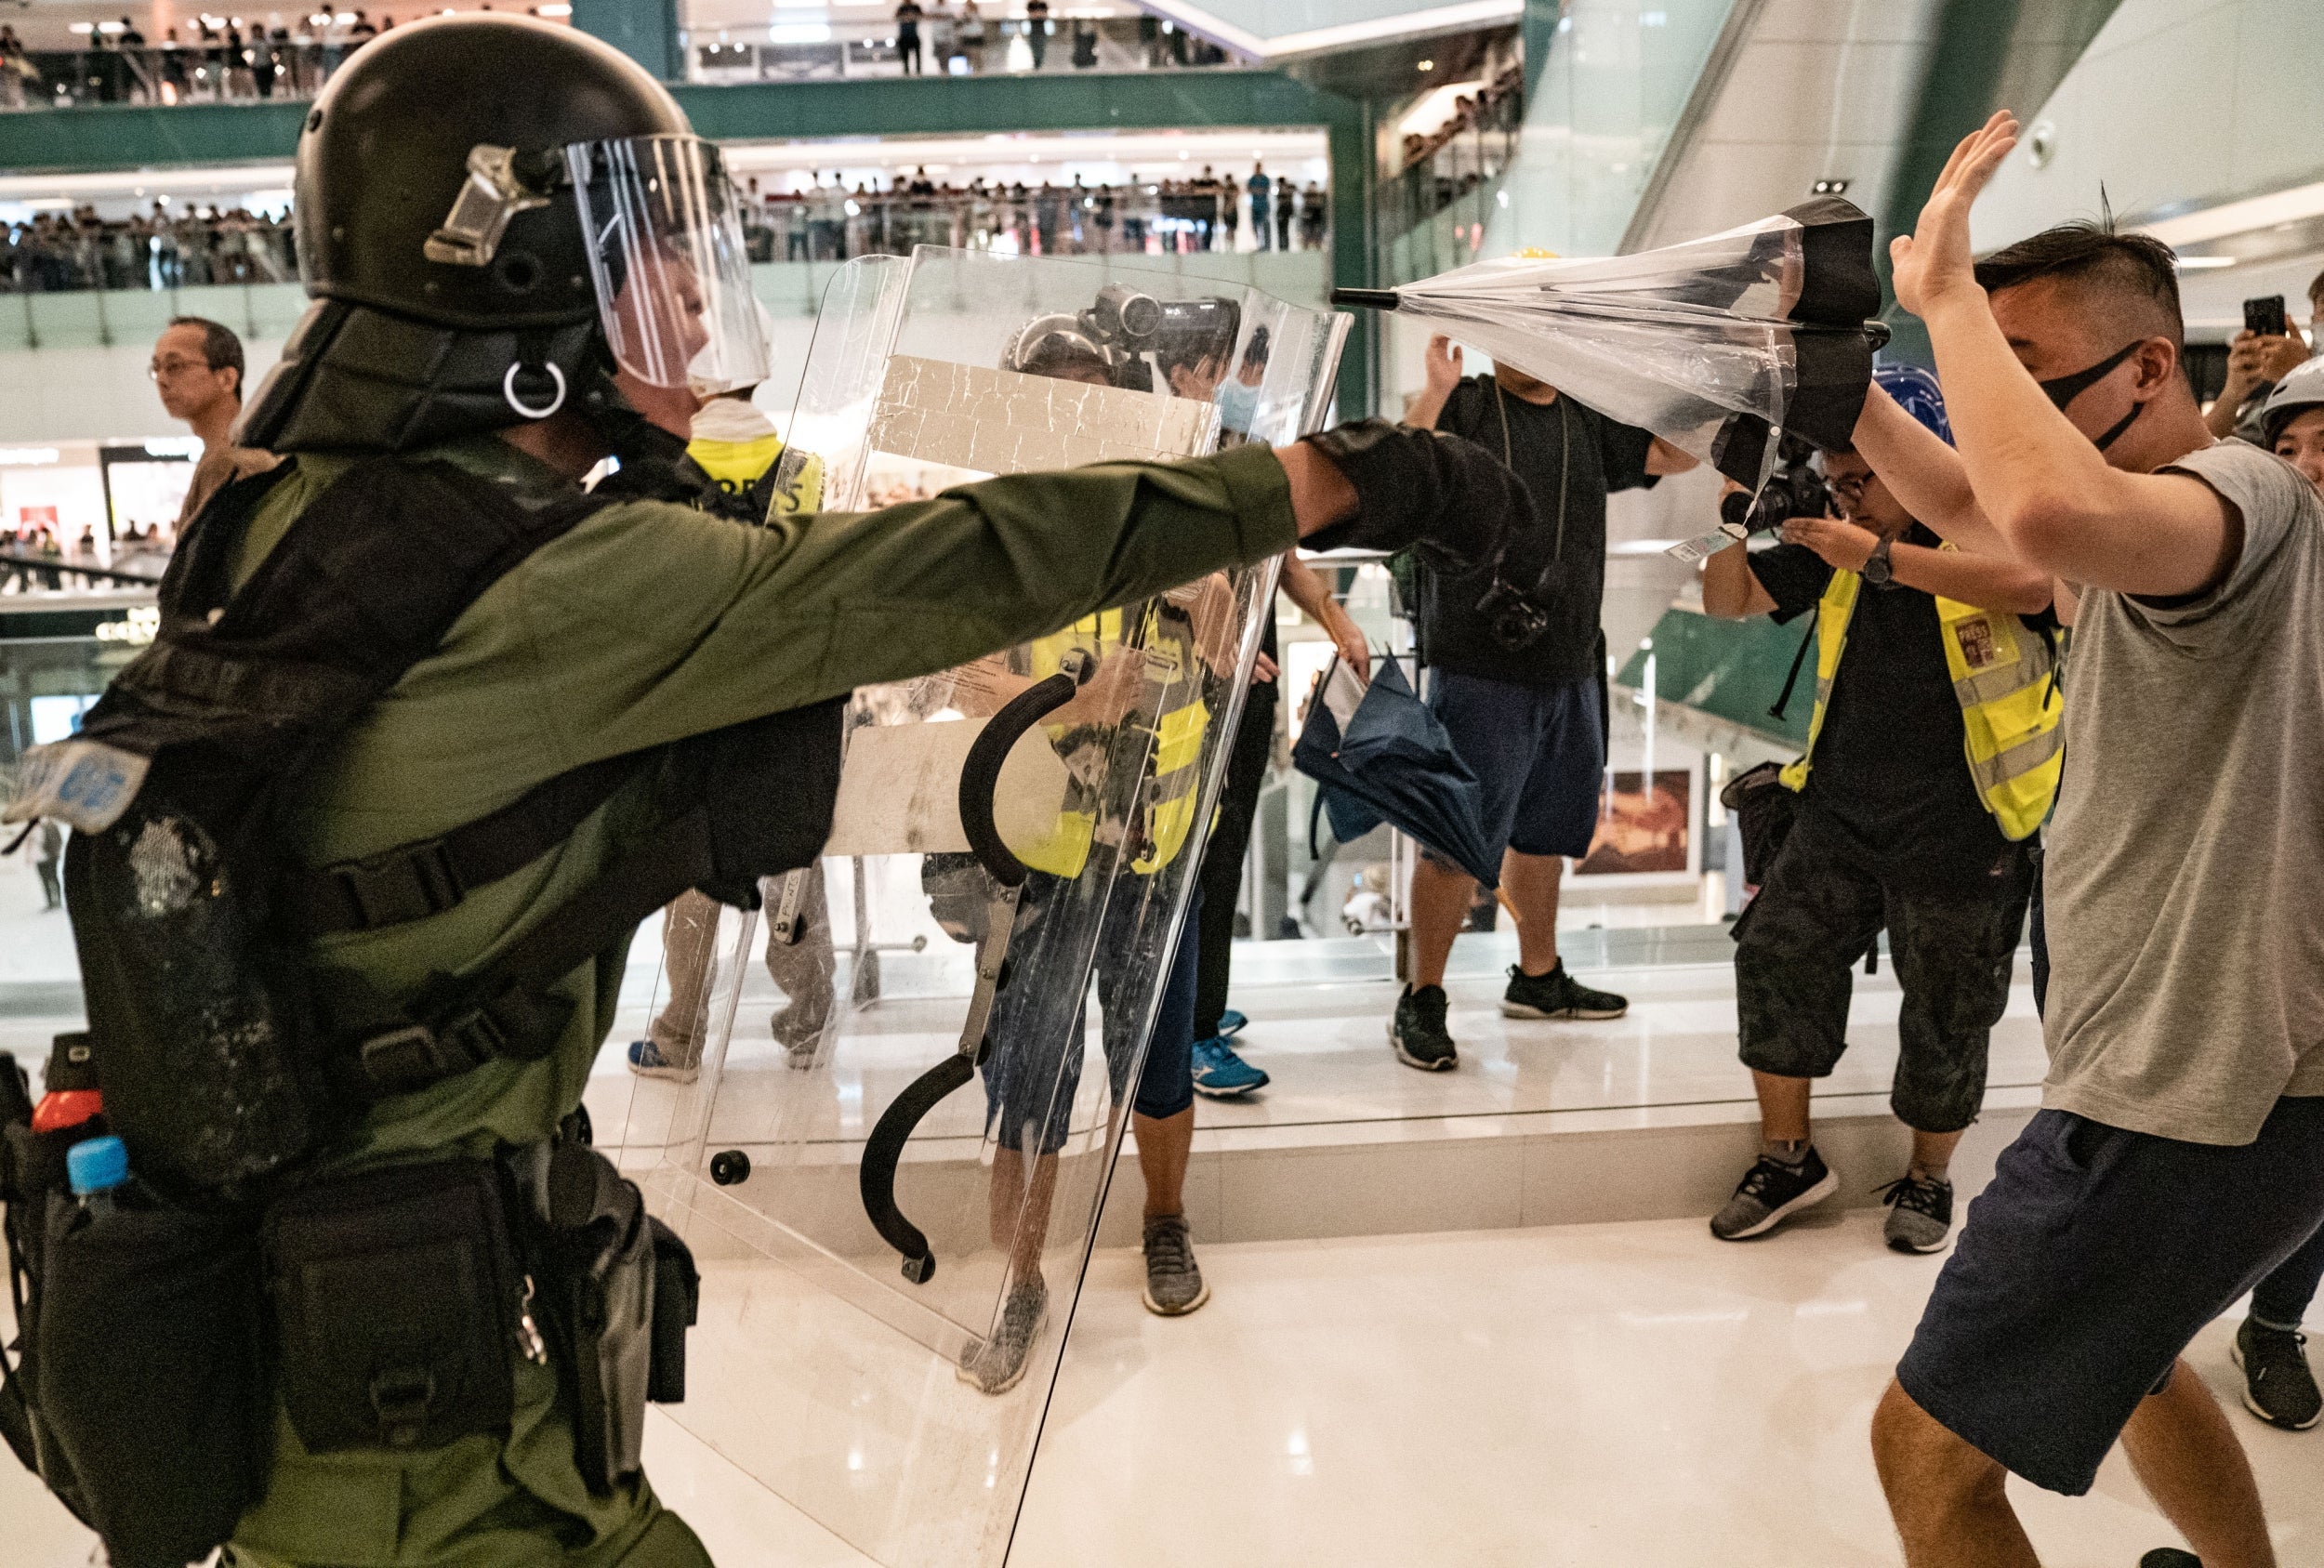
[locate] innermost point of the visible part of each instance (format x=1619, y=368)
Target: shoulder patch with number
x=85, y=783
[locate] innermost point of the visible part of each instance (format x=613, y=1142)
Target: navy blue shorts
x=2088, y=1265
x=1540, y=752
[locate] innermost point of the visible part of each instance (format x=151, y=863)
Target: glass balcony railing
x=946, y=47
x=228, y=68
x=84, y=251
x=1433, y=212
x=262, y=66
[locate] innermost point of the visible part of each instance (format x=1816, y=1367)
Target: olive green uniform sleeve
x=654, y=622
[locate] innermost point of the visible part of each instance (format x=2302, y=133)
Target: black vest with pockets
x=191, y=918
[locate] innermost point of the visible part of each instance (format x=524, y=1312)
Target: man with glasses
x=1927, y=658
x=197, y=367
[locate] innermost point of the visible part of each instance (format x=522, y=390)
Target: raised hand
x=1440, y=364
x=1934, y=261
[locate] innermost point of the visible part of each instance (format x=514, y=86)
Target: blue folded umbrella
x=1392, y=762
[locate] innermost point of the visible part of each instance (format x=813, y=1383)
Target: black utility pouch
x=598, y=1286
x=148, y=1378
x=398, y=1306
x=677, y=1301
x=32, y=1170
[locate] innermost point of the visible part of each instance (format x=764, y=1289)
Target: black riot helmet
x=492, y=213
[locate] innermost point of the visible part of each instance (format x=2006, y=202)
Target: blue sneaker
x=1221, y=1075
x=1231, y=1023
x=647, y=1062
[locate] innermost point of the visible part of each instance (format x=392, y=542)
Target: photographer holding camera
x=1518, y=673
x=1925, y=656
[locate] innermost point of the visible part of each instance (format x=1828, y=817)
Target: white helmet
x=2302, y=389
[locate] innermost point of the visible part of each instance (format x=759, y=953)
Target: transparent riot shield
x=917, y=1062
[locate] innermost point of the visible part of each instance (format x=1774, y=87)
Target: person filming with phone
x=1932, y=759
x=2268, y=348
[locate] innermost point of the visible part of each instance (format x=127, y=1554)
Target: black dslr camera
x=1794, y=490
x=1510, y=616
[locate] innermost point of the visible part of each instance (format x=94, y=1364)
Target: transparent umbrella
x=1716, y=343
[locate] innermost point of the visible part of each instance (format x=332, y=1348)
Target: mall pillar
x=1351, y=131
x=644, y=30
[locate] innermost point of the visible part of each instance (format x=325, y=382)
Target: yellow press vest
x=737, y=465
x=2010, y=706
x=1171, y=792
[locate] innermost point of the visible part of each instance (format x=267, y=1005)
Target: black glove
x=1450, y=497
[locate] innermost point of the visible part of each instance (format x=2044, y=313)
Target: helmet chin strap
x=653, y=464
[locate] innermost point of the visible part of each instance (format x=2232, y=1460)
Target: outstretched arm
x=1988, y=582
x=2047, y=488
x=1925, y=474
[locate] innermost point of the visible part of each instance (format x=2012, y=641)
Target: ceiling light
x=1428, y=65
x=2204, y=263
x=2239, y=217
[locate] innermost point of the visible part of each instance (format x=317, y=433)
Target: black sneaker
x=1920, y=1213
x=1418, y=1033
x=1557, y=995
x=1771, y=1192
x=2278, y=1386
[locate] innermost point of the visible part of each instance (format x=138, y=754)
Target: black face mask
x=2063, y=389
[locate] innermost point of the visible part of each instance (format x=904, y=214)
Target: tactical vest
x=1170, y=786
x=223, y=1059
x=2002, y=674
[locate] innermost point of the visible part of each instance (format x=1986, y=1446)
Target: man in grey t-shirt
x=2179, y=1155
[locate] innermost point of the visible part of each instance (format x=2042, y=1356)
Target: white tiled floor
x=1616, y=1394
x=1594, y=1396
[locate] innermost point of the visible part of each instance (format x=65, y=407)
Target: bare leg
x=1440, y=906
x=2187, y=1458
x=1020, y=1210
x=1532, y=881
x=1164, y=1148
x=1933, y=1152
x=1783, y=1114
x=1945, y=1497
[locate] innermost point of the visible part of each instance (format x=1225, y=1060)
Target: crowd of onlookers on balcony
x=173, y=246
x=218, y=57
x=168, y=247
x=230, y=57
x=835, y=222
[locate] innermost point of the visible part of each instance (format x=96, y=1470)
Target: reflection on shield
x=916, y=1063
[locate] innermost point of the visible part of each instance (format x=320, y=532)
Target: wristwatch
x=1877, y=570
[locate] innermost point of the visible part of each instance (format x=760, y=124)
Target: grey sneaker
x=1920, y=1213
x=1771, y=1192
x=997, y=1365
x=1174, y=1283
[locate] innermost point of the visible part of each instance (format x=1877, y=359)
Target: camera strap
x=1565, y=478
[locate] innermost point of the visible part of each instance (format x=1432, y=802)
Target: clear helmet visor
x=666, y=257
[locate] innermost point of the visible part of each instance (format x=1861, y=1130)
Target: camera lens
x=1142, y=316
